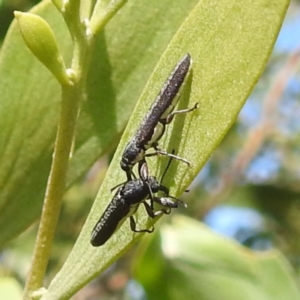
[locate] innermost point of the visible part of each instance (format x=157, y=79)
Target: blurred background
x=248, y=191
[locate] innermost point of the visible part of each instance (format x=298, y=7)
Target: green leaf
x=230, y=43
x=210, y=267
x=30, y=99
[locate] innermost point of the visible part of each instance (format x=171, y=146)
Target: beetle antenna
x=167, y=167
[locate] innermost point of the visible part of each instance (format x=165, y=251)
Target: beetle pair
x=136, y=191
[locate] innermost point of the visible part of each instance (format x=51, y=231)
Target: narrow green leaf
x=30, y=99
x=211, y=267
x=230, y=43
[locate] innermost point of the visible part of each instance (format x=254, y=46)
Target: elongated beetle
x=125, y=203
x=153, y=125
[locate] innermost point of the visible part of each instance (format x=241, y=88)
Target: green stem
x=103, y=12
x=71, y=100
x=71, y=96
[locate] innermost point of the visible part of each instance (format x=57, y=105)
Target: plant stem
x=83, y=39
x=71, y=96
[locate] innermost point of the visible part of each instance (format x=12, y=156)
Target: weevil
x=153, y=125
x=125, y=203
